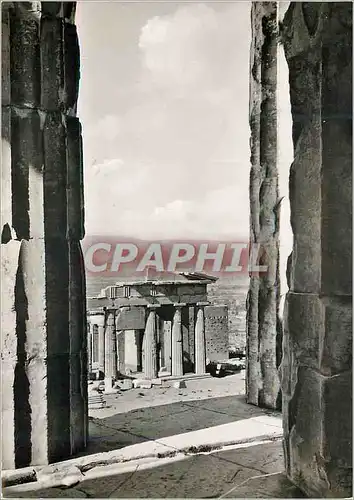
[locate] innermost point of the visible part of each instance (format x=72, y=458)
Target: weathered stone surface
x=71, y=67
x=216, y=334
x=305, y=202
x=316, y=367
x=27, y=160
x=55, y=176
x=46, y=399
x=52, y=63
x=25, y=56
x=305, y=324
x=9, y=265
x=337, y=345
x=74, y=179
x=5, y=57
x=262, y=384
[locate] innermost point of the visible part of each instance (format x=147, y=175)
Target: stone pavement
x=151, y=423
x=249, y=472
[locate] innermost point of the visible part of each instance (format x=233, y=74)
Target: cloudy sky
x=164, y=107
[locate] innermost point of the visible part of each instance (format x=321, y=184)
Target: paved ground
x=159, y=416
x=138, y=416
x=253, y=472
x=197, y=389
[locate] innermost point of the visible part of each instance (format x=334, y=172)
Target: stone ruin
x=44, y=358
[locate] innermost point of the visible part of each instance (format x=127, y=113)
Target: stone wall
x=216, y=332
x=317, y=353
x=263, y=325
x=43, y=317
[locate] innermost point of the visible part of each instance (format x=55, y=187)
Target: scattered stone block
x=180, y=384
x=142, y=384
x=156, y=381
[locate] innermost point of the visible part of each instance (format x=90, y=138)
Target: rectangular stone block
x=6, y=175
x=305, y=202
x=216, y=333
x=306, y=437
x=77, y=319
x=337, y=344
x=338, y=420
x=74, y=179
x=55, y=176
x=131, y=318
x=25, y=57
x=57, y=295
x=58, y=400
x=52, y=9
x=52, y=59
x=27, y=173
x=336, y=239
x=5, y=56
x=305, y=324
x=71, y=66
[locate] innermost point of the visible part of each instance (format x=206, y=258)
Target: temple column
x=45, y=396
x=200, y=363
x=101, y=345
x=89, y=347
x=316, y=369
x=150, y=345
x=120, y=343
x=177, y=345
x=167, y=327
x=110, y=368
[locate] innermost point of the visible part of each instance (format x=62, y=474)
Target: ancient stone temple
x=160, y=326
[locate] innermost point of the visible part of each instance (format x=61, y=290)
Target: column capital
x=153, y=306
x=202, y=304
x=180, y=304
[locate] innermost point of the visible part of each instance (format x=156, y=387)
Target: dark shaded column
x=317, y=347
x=263, y=326
x=43, y=203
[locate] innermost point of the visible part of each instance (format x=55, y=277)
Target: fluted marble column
x=177, y=347
x=200, y=341
x=110, y=367
x=150, y=345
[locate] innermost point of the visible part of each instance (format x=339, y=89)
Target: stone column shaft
x=316, y=369
x=120, y=343
x=167, y=330
x=42, y=196
x=110, y=371
x=200, y=361
x=101, y=348
x=89, y=346
x=262, y=381
x=177, y=345
x=150, y=345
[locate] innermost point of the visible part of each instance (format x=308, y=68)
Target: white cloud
x=179, y=123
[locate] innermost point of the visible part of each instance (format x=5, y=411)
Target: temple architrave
x=157, y=327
